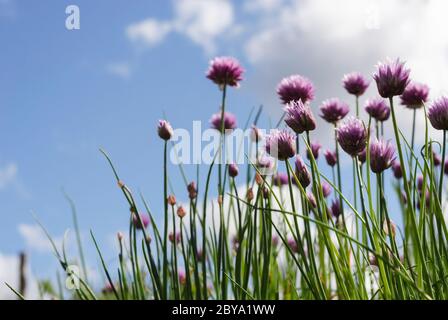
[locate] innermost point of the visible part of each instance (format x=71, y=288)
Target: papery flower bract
x=295, y=88
x=225, y=71
x=355, y=83
x=229, y=121
x=302, y=173
x=391, y=78
x=396, y=169
x=144, y=219
x=280, y=179
x=233, y=170
x=381, y=155
x=281, y=144
x=333, y=110
x=315, y=147
x=352, y=136
x=415, y=95
x=377, y=109
x=331, y=158
x=164, y=130
x=438, y=114
x=299, y=117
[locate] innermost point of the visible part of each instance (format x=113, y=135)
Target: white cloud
x=9, y=273
x=323, y=39
x=7, y=175
x=202, y=21
x=149, y=31
x=35, y=238
x=120, y=69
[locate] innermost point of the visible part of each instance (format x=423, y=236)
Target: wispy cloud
x=120, y=69
x=8, y=175
x=35, y=239
x=202, y=21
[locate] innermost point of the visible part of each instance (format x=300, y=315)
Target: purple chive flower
x=292, y=244
x=420, y=183
x=352, y=136
x=164, y=130
x=445, y=167
x=315, y=147
x=233, y=170
x=144, y=219
x=280, y=179
x=264, y=162
x=176, y=239
x=381, y=155
x=362, y=156
x=299, y=117
x=311, y=199
x=182, y=277
x=396, y=168
x=335, y=208
x=438, y=114
x=281, y=144
x=333, y=110
x=302, y=173
x=229, y=121
x=295, y=88
x=275, y=240
x=377, y=109
x=331, y=158
x=391, y=78
x=225, y=71
x=326, y=189
x=355, y=83
x=415, y=95
x=436, y=159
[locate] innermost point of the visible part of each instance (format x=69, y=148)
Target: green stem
x=442, y=166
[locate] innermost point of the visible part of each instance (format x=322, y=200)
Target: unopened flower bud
x=181, y=212
x=250, y=194
x=386, y=229
x=171, y=200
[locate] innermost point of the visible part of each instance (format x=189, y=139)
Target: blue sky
x=64, y=94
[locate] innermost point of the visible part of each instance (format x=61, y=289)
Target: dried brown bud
x=192, y=191
x=250, y=194
x=120, y=184
x=258, y=179
x=120, y=236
